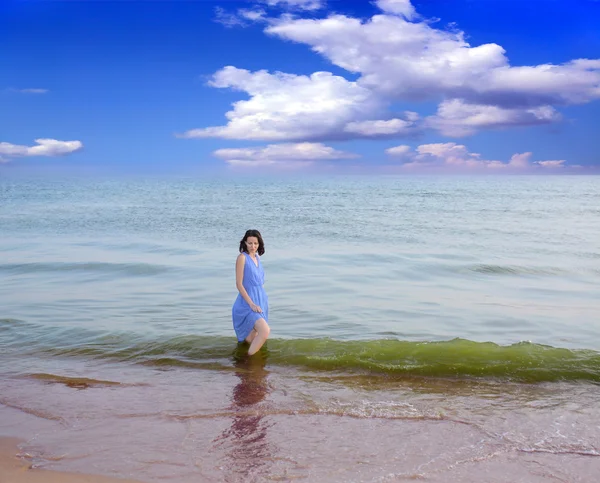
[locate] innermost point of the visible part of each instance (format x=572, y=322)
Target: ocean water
x=437, y=328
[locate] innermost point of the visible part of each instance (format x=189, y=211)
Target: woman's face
x=252, y=244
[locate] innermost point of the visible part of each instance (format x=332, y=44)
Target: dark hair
x=261, y=243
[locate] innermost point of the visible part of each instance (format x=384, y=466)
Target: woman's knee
x=262, y=327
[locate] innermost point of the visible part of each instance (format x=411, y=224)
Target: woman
x=250, y=311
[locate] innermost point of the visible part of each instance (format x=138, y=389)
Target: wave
x=457, y=358
x=40, y=413
x=131, y=269
x=488, y=269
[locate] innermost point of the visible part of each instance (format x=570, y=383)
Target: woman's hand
x=255, y=308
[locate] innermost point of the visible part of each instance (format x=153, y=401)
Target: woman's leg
x=262, y=333
x=251, y=336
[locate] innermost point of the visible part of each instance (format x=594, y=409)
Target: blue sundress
x=243, y=316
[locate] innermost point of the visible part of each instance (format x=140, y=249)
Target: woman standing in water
x=250, y=311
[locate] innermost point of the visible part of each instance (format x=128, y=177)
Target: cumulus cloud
x=397, y=7
x=282, y=155
x=520, y=160
x=458, y=157
x=391, y=127
x=402, y=151
x=413, y=60
x=456, y=118
x=284, y=107
x=395, y=56
x=44, y=147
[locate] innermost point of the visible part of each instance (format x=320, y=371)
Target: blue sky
x=389, y=86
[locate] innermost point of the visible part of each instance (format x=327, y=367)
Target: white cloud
x=392, y=127
x=574, y=82
x=397, y=56
x=456, y=118
x=282, y=155
x=554, y=164
x=402, y=150
x=253, y=15
x=444, y=150
x=44, y=147
x=29, y=91
x=296, y=4
x=522, y=160
x=241, y=18
x=397, y=7
x=33, y=91
x=284, y=107
x=228, y=19
x=457, y=157
x=413, y=60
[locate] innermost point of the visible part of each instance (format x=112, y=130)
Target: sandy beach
x=14, y=468
x=256, y=425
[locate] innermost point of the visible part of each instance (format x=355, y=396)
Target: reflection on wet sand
x=249, y=450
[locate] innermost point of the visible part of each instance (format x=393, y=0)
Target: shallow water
x=444, y=329
x=253, y=421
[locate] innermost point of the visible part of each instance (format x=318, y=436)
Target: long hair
x=261, y=243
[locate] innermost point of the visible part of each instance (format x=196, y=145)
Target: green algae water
x=460, y=311
x=524, y=361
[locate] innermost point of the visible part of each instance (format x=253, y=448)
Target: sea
x=423, y=328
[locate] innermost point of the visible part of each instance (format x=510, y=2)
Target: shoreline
x=14, y=469
x=257, y=422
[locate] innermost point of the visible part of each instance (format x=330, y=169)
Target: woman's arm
x=239, y=279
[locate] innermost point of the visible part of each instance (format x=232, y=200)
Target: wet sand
x=14, y=468
x=423, y=452
x=251, y=423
